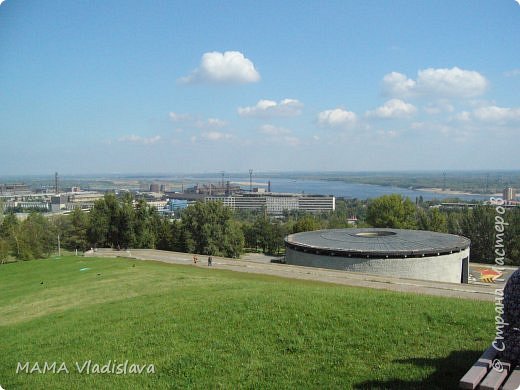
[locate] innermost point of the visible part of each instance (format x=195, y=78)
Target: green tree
x=147, y=224
x=391, y=211
x=478, y=224
x=306, y=223
x=38, y=237
x=433, y=220
x=512, y=236
x=11, y=231
x=4, y=250
x=208, y=228
x=76, y=235
x=99, y=226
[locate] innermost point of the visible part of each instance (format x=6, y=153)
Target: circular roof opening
x=375, y=233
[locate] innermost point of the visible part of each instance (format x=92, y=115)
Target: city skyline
x=113, y=87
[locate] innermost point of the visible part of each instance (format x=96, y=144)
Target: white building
x=277, y=203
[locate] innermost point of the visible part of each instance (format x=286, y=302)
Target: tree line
x=213, y=229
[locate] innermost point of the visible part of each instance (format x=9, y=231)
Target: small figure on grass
x=210, y=261
x=195, y=259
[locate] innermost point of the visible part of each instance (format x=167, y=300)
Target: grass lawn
x=208, y=328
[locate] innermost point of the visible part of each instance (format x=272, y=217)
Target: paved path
x=484, y=292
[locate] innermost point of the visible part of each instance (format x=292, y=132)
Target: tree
x=98, y=228
x=75, y=234
x=432, y=220
x=10, y=230
x=147, y=223
x=306, y=224
x=391, y=211
x=38, y=238
x=478, y=224
x=512, y=236
x=208, y=228
x=4, y=250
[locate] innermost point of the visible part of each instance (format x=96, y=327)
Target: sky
x=113, y=86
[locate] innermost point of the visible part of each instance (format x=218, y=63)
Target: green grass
x=208, y=328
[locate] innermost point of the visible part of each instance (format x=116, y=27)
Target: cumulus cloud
x=337, y=117
x=230, y=67
x=197, y=122
x=439, y=107
x=211, y=123
x=273, y=130
x=136, y=139
x=397, y=84
x=176, y=117
x=454, y=82
x=270, y=108
x=497, y=114
x=215, y=136
x=393, y=108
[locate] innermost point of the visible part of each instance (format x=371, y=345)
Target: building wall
x=276, y=204
x=444, y=268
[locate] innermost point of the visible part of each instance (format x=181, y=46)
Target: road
x=260, y=264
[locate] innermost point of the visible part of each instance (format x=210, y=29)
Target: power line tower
x=250, y=180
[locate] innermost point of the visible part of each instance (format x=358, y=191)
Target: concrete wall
x=444, y=268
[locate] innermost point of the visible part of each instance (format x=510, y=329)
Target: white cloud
x=273, y=130
x=463, y=116
x=337, y=117
x=198, y=123
x=176, y=117
x=214, y=123
x=215, y=136
x=454, y=82
x=497, y=114
x=230, y=67
x=439, y=107
x=270, y=108
x=140, y=140
x=393, y=108
x=387, y=133
x=397, y=84
x=512, y=72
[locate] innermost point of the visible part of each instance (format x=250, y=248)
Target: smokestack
x=250, y=180
x=56, y=188
x=269, y=186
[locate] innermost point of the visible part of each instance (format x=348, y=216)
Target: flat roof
x=377, y=241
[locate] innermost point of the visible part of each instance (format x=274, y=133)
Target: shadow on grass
x=447, y=374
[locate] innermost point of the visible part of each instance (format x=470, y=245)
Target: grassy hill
x=208, y=328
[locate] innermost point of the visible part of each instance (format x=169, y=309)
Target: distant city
x=246, y=192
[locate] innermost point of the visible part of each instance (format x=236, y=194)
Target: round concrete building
x=402, y=253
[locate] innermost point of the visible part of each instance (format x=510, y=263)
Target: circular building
x=402, y=253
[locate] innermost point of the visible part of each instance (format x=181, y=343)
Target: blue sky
x=204, y=86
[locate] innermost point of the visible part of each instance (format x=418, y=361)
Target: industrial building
x=509, y=194
x=402, y=253
x=14, y=189
x=277, y=203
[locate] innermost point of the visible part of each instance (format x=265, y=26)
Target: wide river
x=336, y=188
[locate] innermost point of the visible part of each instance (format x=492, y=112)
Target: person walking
x=195, y=259
x=210, y=261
